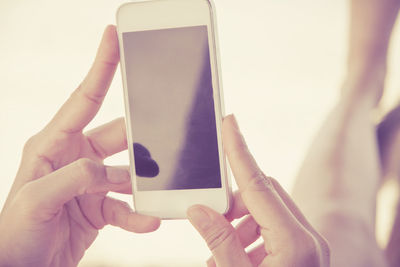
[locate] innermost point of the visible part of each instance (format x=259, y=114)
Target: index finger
x=86, y=100
x=256, y=189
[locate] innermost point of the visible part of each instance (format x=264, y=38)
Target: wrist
x=364, y=83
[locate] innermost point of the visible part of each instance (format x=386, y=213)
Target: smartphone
x=173, y=103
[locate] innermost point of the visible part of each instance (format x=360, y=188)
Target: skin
x=337, y=185
x=267, y=211
x=344, y=157
x=371, y=25
x=58, y=201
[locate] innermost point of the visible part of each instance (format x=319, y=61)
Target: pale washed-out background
x=282, y=66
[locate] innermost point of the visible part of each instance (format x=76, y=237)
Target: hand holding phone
x=265, y=210
x=173, y=100
x=58, y=201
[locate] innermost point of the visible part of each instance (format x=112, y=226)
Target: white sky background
x=282, y=65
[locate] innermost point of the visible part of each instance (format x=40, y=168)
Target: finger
x=238, y=209
x=257, y=191
x=257, y=255
x=85, y=101
x=211, y=262
x=81, y=177
x=109, y=138
x=248, y=231
x=127, y=189
x=118, y=213
x=219, y=235
x=290, y=204
x=139, y=169
x=321, y=241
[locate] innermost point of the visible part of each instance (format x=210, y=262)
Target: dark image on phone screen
x=171, y=108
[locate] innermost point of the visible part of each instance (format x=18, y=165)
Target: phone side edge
x=213, y=18
x=126, y=106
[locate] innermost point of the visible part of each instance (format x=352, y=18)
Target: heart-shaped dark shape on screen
x=145, y=166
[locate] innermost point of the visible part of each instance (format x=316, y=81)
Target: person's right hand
x=289, y=240
x=59, y=202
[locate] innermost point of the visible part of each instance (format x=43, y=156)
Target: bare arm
x=371, y=24
x=337, y=184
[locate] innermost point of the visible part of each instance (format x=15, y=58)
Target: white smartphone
x=173, y=104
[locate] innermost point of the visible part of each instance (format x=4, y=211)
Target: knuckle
x=88, y=172
x=91, y=98
x=30, y=144
x=259, y=182
x=87, y=167
x=25, y=193
x=237, y=150
x=219, y=235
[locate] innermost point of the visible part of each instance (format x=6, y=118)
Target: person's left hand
x=267, y=211
x=58, y=201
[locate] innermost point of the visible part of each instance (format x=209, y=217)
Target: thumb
x=83, y=176
x=220, y=236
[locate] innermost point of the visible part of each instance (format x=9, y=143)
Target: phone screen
x=171, y=108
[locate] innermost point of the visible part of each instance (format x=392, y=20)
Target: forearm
x=371, y=24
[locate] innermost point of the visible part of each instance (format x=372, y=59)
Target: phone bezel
x=164, y=14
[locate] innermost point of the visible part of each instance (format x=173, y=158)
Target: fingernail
x=238, y=132
x=235, y=124
x=199, y=217
x=117, y=176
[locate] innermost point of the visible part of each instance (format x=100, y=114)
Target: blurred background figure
x=338, y=183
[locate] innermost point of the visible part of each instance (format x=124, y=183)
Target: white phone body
x=167, y=49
